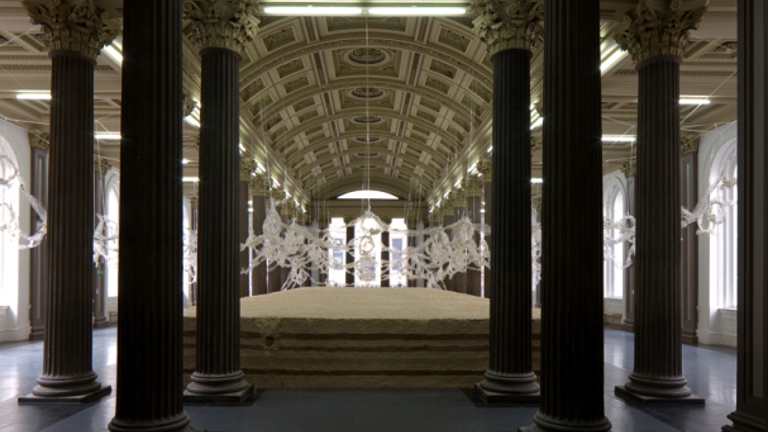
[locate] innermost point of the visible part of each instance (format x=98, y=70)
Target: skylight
x=368, y=194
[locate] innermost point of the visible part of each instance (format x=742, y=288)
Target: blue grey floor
x=711, y=373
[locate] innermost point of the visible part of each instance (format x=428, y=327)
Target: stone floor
x=711, y=373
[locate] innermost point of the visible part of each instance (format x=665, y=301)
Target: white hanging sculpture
x=105, y=238
x=9, y=221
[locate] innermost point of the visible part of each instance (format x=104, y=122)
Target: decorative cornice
x=82, y=27
x=221, y=23
x=475, y=186
x=509, y=24
x=259, y=185
x=247, y=168
x=629, y=168
x=660, y=27
x=39, y=139
x=101, y=166
x=485, y=168
x=689, y=147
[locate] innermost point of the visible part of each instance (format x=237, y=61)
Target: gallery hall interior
x=379, y=215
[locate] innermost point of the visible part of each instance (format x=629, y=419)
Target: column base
x=179, y=423
x=100, y=322
x=98, y=393
x=229, y=389
x=633, y=397
x=490, y=397
x=745, y=423
x=544, y=423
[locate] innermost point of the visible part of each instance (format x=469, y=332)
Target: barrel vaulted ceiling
x=400, y=104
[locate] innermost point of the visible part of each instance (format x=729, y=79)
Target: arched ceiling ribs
x=377, y=40
x=447, y=145
x=430, y=173
x=389, y=84
x=297, y=156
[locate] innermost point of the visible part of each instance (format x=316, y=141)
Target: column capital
x=259, y=185
x=629, y=168
x=509, y=24
x=101, y=165
x=39, y=139
x=485, y=167
x=277, y=194
x=221, y=23
x=79, y=27
x=247, y=168
x=660, y=28
x=194, y=202
x=475, y=186
x=689, y=147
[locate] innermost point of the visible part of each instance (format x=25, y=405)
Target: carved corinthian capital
x=221, y=23
x=259, y=185
x=247, y=168
x=485, y=168
x=660, y=27
x=475, y=186
x=80, y=27
x=508, y=24
x=39, y=139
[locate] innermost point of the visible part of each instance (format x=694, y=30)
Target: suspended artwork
x=10, y=182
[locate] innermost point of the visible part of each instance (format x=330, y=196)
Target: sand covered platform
x=361, y=337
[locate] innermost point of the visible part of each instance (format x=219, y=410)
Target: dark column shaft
x=752, y=378
x=67, y=352
x=658, y=350
x=259, y=275
x=149, y=339
x=510, y=370
x=218, y=302
x=38, y=257
x=572, y=231
x=351, y=272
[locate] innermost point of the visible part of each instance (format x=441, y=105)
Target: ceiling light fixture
x=619, y=138
x=34, y=95
x=417, y=11
x=190, y=179
x=312, y=10
x=106, y=136
x=694, y=100
x=113, y=51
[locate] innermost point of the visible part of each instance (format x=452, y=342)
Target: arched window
x=9, y=214
x=723, y=258
x=613, y=274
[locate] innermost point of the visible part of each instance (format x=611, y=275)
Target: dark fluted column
x=351, y=272
x=259, y=194
x=510, y=374
x=485, y=168
x=217, y=376
x=751, y=396
x=38, y=257
x=572, y=230
x=247, y=169
x=385, y=269
x=658, y=371
x=149, y=332
x=99, y=281
x=67, y=352
x=474, y=205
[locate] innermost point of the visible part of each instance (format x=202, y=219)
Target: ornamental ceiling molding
x=659, y=28
x=82, y=28
x=221, y=23
x=429, y=172
x=509, y=24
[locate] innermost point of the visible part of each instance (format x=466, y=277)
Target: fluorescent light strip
x=619, y=138
x=184, y=161
x=694, y=101
x=612, y=60
x=417, y=11
x=537, y=180
x=312, y=10
x=192, y=121
x=190, y=179
x=34, y=95
x=112, y=52
x=106, y=136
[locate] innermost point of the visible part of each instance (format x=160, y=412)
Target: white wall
x=716, y=326
x=615, y=179
x=15, y=326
